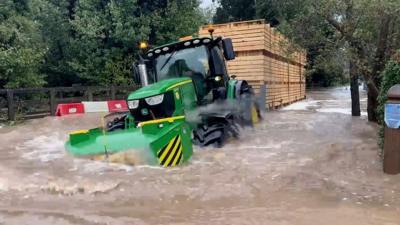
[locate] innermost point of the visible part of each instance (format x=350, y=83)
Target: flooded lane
x=309, y=163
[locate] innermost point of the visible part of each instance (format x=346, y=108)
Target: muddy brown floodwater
x=309, y=163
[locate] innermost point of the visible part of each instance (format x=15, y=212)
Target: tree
x=90, y=42
x=235, y=10
x=278, y=11
x=21, y=46
x=354, y=89
x=360, y=20
x=368, y=30
x=105, y=37
x=107, y=33
x=56, y=31
x=177, y=19
x=323, y=66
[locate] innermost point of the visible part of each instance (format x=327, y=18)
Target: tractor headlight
x=133, y=104
x=155, y=100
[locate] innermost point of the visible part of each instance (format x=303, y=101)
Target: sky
x=205, y=3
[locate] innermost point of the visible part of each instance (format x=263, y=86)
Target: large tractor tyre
x=233, y=130
x=209, y=135
x=215, y=134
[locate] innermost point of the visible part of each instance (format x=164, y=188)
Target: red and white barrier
x=69, y=108
x=91, y=107
x=117, y=106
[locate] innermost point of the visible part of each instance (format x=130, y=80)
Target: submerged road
x=309, y=163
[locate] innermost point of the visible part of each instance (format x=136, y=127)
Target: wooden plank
x=235, y=28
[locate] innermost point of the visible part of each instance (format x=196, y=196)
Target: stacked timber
x=264, y=56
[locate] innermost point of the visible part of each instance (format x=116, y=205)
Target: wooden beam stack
x=264, y=56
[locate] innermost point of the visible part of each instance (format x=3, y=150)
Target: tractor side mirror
x=227, y=46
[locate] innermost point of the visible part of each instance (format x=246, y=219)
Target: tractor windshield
x=189, y=62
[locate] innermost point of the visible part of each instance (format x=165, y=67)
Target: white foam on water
x=92, y=166
x=4, y=184
x=149, y=167
x=88, y=186
x=13, y=180
x=43, y=148
x=346, y=111
x=302, y=105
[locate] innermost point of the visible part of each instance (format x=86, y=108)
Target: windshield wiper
x=167, y=61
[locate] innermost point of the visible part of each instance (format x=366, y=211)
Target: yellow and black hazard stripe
x=171, y=154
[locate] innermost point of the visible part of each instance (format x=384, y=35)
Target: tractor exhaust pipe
x=144, y=79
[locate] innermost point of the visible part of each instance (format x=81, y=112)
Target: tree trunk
x=372, y=107
x=354, y=89
x=71, y=9
x=377, y=67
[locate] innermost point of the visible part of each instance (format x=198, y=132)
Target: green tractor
x=187, y=97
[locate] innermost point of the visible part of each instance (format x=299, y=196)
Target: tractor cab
x=200, y=59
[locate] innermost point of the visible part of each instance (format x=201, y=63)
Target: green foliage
x=326, y=70
x=56, y=30
x=367, y=32
x=390, y=77
x=277, y=11
x=105, y=38
x=235, y=10
x=63, y=42
x=107, y=34
x=295, y=20
x=178, y=19
x=21, y=46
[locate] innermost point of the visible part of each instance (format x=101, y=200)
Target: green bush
x=390, y=77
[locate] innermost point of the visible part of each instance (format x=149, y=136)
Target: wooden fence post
x=113, y=92
x=89, y=93
x=53, y=102
x=11, y=107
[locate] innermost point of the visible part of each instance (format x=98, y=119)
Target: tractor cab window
x=189, y=62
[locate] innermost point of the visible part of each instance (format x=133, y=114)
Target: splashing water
x=43, y=148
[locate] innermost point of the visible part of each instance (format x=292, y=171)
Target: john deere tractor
x=187, y=97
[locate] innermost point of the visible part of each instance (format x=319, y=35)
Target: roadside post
x=391, y=155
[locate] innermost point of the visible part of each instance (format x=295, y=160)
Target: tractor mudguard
x=219, y=115
x=242, y=87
